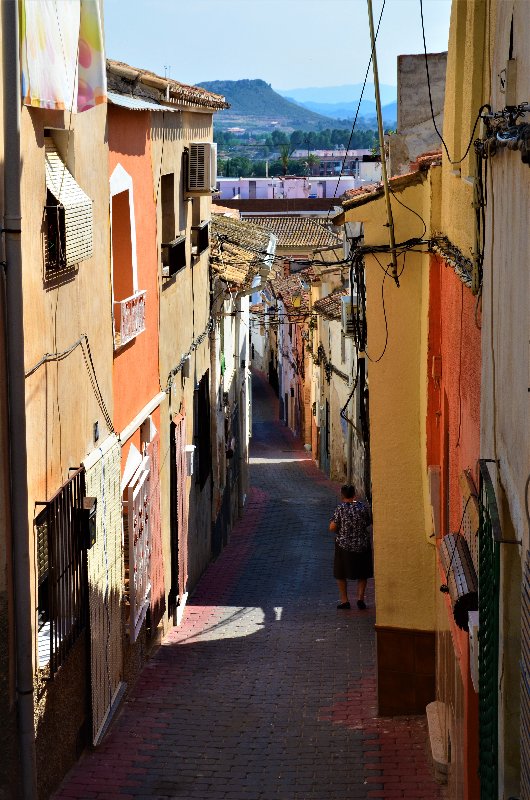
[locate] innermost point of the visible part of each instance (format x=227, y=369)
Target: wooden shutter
x=78, y=214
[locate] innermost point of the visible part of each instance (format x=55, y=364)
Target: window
x=173, y=247
x=202, y=423
x=137, y=546
x=61, y=573
x=167, y=200
x=68, y=215
x=129, y=301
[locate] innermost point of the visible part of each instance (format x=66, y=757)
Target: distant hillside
x=389, y=114
x=341, y=110
x=340, y=94
x=254, y=104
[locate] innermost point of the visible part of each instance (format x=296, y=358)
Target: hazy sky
x=288, y=43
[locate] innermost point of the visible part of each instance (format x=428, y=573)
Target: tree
x=285, y=153
x=311, y=162
x=279, y=137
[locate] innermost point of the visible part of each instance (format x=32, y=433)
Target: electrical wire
x=376, y=360
x=358, y=106
x=401, y=203
x=84, y=343
x=484, y=107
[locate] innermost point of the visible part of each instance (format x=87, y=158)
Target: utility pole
x=390, y=219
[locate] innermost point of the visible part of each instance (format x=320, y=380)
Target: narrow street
x=266, y=690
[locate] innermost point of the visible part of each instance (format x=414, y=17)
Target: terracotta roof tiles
x=239, y=251
x=299, y=232
x=179, y=93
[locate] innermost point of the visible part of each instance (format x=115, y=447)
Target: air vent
x=202, y=168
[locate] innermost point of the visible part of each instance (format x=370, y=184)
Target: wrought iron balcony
x=129, y=318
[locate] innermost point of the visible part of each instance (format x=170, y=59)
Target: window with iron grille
x=62, y=573
x=137, y=546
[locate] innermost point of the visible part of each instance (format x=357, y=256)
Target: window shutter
x=77, y=206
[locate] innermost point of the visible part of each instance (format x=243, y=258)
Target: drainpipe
x=17, y=403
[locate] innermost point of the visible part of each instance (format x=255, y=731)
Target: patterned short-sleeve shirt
x=352, y=521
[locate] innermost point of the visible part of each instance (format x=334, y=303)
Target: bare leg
x=343, y=590
x=361, y=588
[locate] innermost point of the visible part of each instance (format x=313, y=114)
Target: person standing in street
x=351, y=523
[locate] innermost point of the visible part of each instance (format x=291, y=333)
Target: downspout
x=17, y=403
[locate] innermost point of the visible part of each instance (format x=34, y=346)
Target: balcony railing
x=129, y=318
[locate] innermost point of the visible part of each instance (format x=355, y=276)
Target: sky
x=288, y=43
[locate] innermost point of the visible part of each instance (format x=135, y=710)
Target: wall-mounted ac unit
x=348, y=309
x=202, y=168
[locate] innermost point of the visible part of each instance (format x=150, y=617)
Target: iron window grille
x=62, y=573
x=55, y=234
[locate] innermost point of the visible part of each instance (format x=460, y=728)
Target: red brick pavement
x=265, y=691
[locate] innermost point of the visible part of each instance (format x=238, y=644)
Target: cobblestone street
x=265, y=691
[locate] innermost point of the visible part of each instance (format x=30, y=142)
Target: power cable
x=358, y=106
x=376, y=360
x=481, y=109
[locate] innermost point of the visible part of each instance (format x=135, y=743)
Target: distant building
x=293, y=187
x=335, y=162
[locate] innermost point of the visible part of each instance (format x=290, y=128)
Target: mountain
x=254, y=104
x=341, y=110
x=389, y=113
x=347, y=93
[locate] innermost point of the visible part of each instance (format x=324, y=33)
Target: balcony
x=129, y=318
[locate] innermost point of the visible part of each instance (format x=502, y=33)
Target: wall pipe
x=390, y=219
x=17, y=404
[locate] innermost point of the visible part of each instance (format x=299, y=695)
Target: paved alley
x=265, y=691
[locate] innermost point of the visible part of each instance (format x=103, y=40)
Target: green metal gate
x=489, y=577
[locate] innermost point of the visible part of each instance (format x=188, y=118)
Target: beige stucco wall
x=416, y=133
x=505, y=424
x=404, y=558
x=60, y=404
x=464, y=94
x=184, y=312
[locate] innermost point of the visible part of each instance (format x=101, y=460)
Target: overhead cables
x=484, y=107
x=84, y=343
x=358, y=106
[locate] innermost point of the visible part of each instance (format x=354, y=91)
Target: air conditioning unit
x=348, y=310
x=202, y=168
